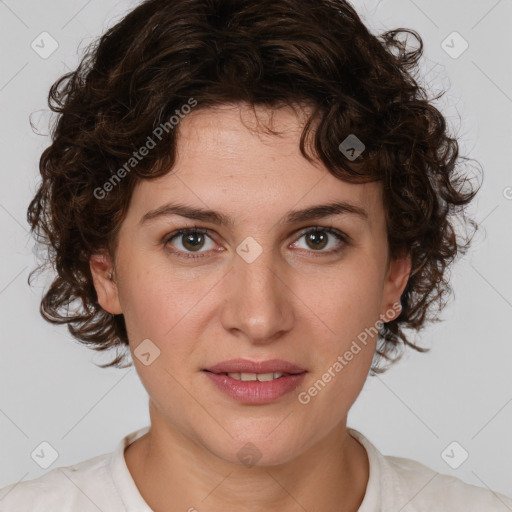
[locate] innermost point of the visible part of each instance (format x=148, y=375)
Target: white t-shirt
x=104, y=483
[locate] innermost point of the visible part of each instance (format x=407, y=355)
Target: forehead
x=228, y=161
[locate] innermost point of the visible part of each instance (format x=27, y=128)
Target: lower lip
x=256, y=392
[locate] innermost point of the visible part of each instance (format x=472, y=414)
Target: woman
x=259, y=199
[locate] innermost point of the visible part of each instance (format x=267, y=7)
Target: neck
x=176, y=473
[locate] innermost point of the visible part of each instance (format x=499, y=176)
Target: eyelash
x=342, y=237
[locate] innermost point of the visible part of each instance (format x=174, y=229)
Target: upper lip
x=247, y=366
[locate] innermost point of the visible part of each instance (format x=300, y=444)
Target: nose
x=258, y=301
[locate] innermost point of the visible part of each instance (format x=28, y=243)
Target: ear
x=102, y=271
x=399, y=270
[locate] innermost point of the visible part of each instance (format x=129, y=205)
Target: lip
x=248, y=366
x=255, y=392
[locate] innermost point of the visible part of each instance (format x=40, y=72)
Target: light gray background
x=461, y=391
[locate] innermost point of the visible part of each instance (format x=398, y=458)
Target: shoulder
x=84, y=486
x=407, y=485
x=421, y=487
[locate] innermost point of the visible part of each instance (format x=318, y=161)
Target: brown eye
x=192, y=241
x=189, y=240
x=317, y=239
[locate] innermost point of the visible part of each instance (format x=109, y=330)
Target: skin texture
x=294, y=302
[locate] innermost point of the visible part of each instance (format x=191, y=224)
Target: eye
x=190, y=239
x=318, y=238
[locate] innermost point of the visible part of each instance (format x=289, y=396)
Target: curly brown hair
x=272, y=53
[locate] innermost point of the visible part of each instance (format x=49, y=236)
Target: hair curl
x=270, y=53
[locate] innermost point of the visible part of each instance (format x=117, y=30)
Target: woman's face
x=258, y=287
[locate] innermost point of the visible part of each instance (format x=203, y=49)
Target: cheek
x=152, y=303
x=348, y=307
x=346, y=300
x=167, y=307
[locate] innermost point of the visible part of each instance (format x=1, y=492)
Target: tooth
x=247, y=376
x=262, y=377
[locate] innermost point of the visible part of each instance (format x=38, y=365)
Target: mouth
x=246, y=370
x=253, y=388
x=261, y=377
x=256, y=382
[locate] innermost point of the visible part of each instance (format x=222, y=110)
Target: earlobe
x=103, y=275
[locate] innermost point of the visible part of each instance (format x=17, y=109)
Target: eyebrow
x=295, y=216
